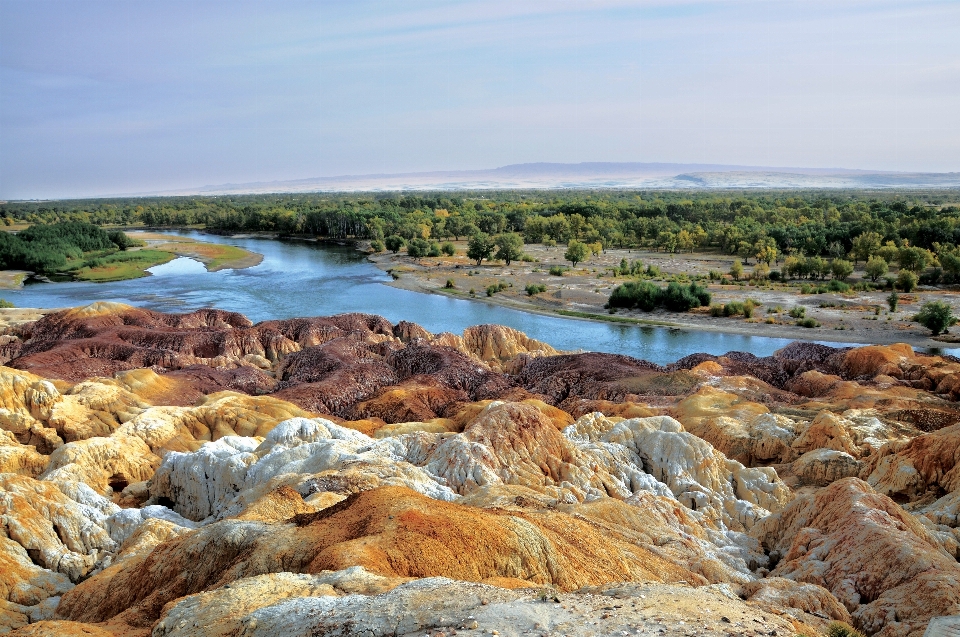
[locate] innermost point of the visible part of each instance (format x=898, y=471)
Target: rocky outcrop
x=879, y=561
x=157, y=468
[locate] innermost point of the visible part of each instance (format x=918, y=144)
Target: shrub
x=808, y=322
x=535, y=288
x=841, y=269
x=936, y=316
x=6, y=304
x=418, y=248
x=931, y=277
x=906, y=280
x=526, y=258
x=394, y=242
x=798, y=312
x=892, y=301
x=640, y=294
x=448, y=249
x=716, y=275
x=376, y=245
x=653, y=271
x=716, y=310
x=450, y=284
x=679, y=298
x=775, y=275
x=839, y=629
x=748, y=307
x=736, y=270
x=434, y=250
x=733, y=308
x=557, y=270
x=836, y=285
x=122, y=241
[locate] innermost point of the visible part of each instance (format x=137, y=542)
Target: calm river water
x=298, y=278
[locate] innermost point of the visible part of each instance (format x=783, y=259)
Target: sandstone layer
x=196, y=474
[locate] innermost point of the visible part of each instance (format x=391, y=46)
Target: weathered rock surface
x=159, y=468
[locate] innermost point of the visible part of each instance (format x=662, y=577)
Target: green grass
x=121, y=265
x=614, y=319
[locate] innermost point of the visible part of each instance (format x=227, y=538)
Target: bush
x=377, y=245
x=6, y=304
x=808, y=322
x=394, y=242
x=550, y=243
x=932, y=277
x=733, y=308
x=716, y=275
x=716, y=310
x=448, y=249
x=841, y=269
x=639, y=294
x=653, y=271
x=936, y=316
x=557, y=270
x=906, y=281
x=535, y=288
x=836, y=285
x=526, y=258
x=839, y=629
x=798, y=312
x=418, y=248
x=450, y=284
x=892, y=301
x=681, y=298
x=498, y=287
x=122, y=241
x=775, y=275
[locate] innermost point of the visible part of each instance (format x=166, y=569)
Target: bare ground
x=854, y=317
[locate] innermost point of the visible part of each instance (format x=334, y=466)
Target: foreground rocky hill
x=196, y=474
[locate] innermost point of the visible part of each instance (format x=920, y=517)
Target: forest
x=763, y=225
x=47, y=248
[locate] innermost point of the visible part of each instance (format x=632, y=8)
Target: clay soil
x=854, y=317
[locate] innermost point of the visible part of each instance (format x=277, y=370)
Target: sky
x=101, y=98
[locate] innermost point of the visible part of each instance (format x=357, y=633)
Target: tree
x=448, y=249
x=889, y=252
x=913, y=259
x=418, y=248
x=906, y=280
x=394, y=243
x=936, y=316
x=480, y=247
x=509, y=246
x=576, y=252
x=875, y=268
x=865, y=246
x=841, y=269
x=765, y=250
x=736, y=270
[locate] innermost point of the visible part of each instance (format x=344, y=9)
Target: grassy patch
x=215, y=256
x=613, y=319
x=121, y=265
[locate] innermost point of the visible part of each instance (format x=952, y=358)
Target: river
x=300, y=278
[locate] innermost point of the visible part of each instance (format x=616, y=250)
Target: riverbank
x=853, y=317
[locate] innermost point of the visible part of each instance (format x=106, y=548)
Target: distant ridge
x=545, y=175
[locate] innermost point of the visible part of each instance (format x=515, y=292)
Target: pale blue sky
x=132, y=96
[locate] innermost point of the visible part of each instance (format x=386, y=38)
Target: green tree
x=448, y=249
x=893, y=300
x=865, y=246
x=376, y=245
x=418, y=248
x=913, y=259
x=394, y=243
x=906, y=280
x=936, y=316
x=841, y=269
x=875, y=268
x=736, y=270
x=480, y=247
x=576, y=252
x=509, y=246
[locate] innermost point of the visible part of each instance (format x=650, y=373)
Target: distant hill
x=596, y=175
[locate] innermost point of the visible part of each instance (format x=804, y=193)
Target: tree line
x=47, y=248
x=765, y=226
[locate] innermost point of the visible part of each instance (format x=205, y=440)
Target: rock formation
x=195, y=474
